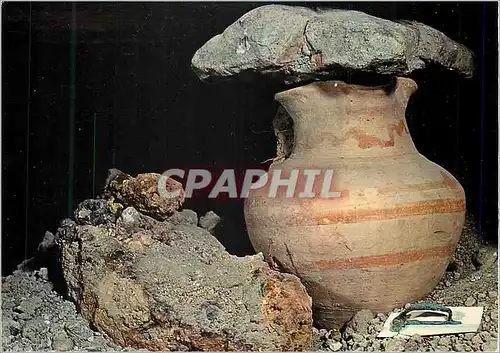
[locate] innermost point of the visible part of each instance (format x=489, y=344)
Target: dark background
x=138, y=107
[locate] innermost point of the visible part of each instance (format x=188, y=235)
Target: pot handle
x=404, y=89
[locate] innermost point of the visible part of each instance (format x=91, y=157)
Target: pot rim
x=345, y=87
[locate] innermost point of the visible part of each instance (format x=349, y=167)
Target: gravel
x=466, y=283
x=36, y=317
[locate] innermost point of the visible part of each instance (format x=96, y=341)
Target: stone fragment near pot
x=300, y=44
x=485, y=257
x=394, y=345
x=490, y=346
x=209, y=221
x=142, y=193
x=184, y=217
x=61, y=342
x=470, y=301
x=359, y=322
x=93, y=212
x=164, y=286
x=334, y=346
x=47, y=243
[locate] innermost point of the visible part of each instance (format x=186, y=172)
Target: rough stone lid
x=302, y=44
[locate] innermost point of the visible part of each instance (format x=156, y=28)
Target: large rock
x=300, y=44
x=172, y=286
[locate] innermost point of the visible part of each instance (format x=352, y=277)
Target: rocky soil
x=36, y=317
x=471, y=280
x=112, y=256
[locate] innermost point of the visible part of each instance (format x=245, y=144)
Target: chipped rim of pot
x=337, y=86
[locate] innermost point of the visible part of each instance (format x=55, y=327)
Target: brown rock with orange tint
x=172, y=286
x=144, y=193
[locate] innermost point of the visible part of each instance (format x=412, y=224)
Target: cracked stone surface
x=145, y=192
x=172, y=286
x=300, y=44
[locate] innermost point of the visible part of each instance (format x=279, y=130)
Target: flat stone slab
x=301, y=44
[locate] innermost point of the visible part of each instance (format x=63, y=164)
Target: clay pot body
x=389, y=237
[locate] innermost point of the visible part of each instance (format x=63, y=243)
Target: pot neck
x=349, y=120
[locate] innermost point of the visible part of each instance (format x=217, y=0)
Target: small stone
x=29, y=306
x=382, y=317
x=459, y=347
x=49, y=241
x=468, y=336
x=467, y=348
x=334, y=345
x=376, y=345
x=481, y=295
x=411, y=346
x=485, y=257
x=24, y=316
x=417, y=339
x=43, y=273
x=443, y=348
x=485, y=335
x=493, y=294
x=209, y=221
x=470, y=301
x=362, y=343
x=490, y=346
x=61, y=342
x=335, y=335
x=14, y=327
x=94, y=212
x=359, y=322
x=477, y=340
x=184, y=217
x=344, y=344
x=394, y=345
x=356, y=337
x=444, y=341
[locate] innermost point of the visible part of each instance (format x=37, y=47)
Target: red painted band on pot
x=406, y=210
x=384, y=260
